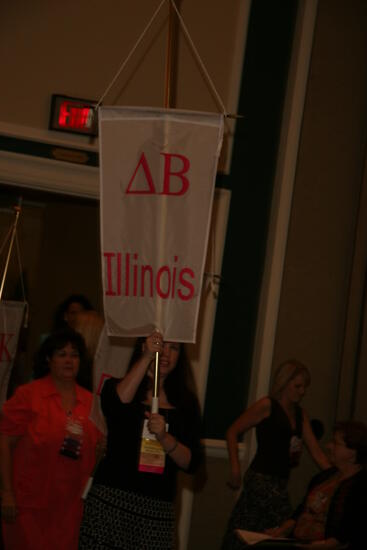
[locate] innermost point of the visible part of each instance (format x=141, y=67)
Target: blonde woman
x=281, y=428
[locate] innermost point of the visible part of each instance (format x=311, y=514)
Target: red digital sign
x=70, y=114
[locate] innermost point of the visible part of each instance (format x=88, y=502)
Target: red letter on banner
x=4, y=352
x=144, y=164
x=180, y=174
x=186, y=284
x=109, y=256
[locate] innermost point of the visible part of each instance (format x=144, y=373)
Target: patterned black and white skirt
x=116, y=519
x=262, y=504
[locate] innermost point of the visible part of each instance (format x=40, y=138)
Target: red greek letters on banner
x=143, y=163
x=158, y=171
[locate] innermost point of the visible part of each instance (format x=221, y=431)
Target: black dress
x=264, y=501
x=127, y=508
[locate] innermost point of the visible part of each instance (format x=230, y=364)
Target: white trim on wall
x=217, y=448
x=200, y=353
x=49, y=175
x=63, y=139
x=282, y=203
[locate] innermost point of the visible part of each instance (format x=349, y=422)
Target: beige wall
x=320, y=251
x=325, y=202
x=77, y=49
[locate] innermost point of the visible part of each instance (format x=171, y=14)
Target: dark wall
x=60, y=254
x=264, y=78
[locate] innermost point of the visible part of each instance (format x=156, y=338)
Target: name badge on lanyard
x=295, y=450
x=73, y=438
x=152, y=457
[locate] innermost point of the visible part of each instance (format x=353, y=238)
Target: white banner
x=111, y=360
x=158, y=170
x=11, y=317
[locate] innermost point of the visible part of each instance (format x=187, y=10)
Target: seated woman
x=334, y=512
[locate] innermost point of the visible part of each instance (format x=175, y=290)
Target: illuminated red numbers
x=75, y=117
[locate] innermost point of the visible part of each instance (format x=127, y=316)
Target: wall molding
x=49, y=175
x=282, y=204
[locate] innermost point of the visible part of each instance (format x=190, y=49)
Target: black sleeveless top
x=278, y=444
x=119, y=467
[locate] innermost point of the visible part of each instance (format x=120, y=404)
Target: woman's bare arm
x=313, y=445
x=248, y=419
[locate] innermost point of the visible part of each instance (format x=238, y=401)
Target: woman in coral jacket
x=47, y=445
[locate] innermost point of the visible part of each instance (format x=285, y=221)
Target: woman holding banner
x=130, y=504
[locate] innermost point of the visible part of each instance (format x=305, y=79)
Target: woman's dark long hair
x=54, y=342
x=179, y=385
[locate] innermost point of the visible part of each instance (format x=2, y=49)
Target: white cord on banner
x=7, y=237
x=196, y=53
x=123, y=65
x=214, y=279
x=201, y=63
